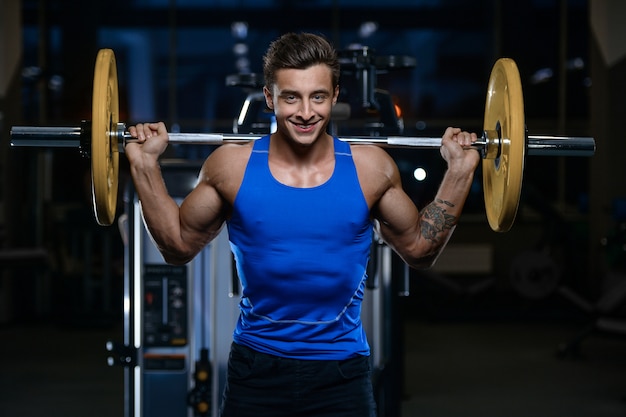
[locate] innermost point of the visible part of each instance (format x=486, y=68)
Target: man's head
x=301, y=86
x=299, y=51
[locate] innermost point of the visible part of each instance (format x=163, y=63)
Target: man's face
x=302, y=101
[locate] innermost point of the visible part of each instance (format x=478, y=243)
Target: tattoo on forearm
x=435, y=219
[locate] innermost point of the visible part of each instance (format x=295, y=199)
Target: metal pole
x=29, y=136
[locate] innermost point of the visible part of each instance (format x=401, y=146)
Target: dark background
x=173, y=59
x=506, y=298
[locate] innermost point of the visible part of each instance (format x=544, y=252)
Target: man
x=300, y=206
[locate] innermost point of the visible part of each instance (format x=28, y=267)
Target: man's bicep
x=397, y=217
x=203, y=213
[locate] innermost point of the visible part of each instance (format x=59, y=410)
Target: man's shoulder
x=230, y=155
x=225, y=166
x=376, y=170
x=370, y=154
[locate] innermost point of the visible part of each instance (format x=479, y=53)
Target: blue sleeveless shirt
x=301, y=256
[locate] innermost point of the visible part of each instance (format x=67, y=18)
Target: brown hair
x=299, y=51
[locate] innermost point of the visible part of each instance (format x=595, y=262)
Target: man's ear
x=269, y=101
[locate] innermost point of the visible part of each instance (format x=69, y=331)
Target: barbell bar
x=503, y=145
x=78, y=137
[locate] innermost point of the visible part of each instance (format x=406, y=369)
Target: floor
x=511, y=369
x=453, y=368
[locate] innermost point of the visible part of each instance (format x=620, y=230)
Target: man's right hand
x=152, y=141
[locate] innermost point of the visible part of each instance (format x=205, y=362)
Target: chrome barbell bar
x=79, y=137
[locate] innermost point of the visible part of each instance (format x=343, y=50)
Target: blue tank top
x=301, y=256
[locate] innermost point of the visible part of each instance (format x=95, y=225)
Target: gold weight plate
x=502, y=176
x=104, y=150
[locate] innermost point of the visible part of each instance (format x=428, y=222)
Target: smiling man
x=300, y=207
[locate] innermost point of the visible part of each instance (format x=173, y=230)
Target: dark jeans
x=264, y=385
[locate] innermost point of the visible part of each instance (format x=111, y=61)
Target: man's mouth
x=305, y=127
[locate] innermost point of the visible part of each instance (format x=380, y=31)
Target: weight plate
x=502, y=175
x=104, y=150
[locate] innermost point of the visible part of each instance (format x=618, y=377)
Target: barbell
x=503, y=145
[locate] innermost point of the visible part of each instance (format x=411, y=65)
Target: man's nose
x=305, y=110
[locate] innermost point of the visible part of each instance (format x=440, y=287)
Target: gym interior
x=530, y=321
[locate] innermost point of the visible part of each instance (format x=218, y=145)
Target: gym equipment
x=503, y=144
x=178, y=320
x=360, y=68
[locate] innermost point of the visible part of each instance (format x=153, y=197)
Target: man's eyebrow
x=297, y=93
x=288, y=93
x=322, y=91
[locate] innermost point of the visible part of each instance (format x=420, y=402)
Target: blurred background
x=193, y=63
